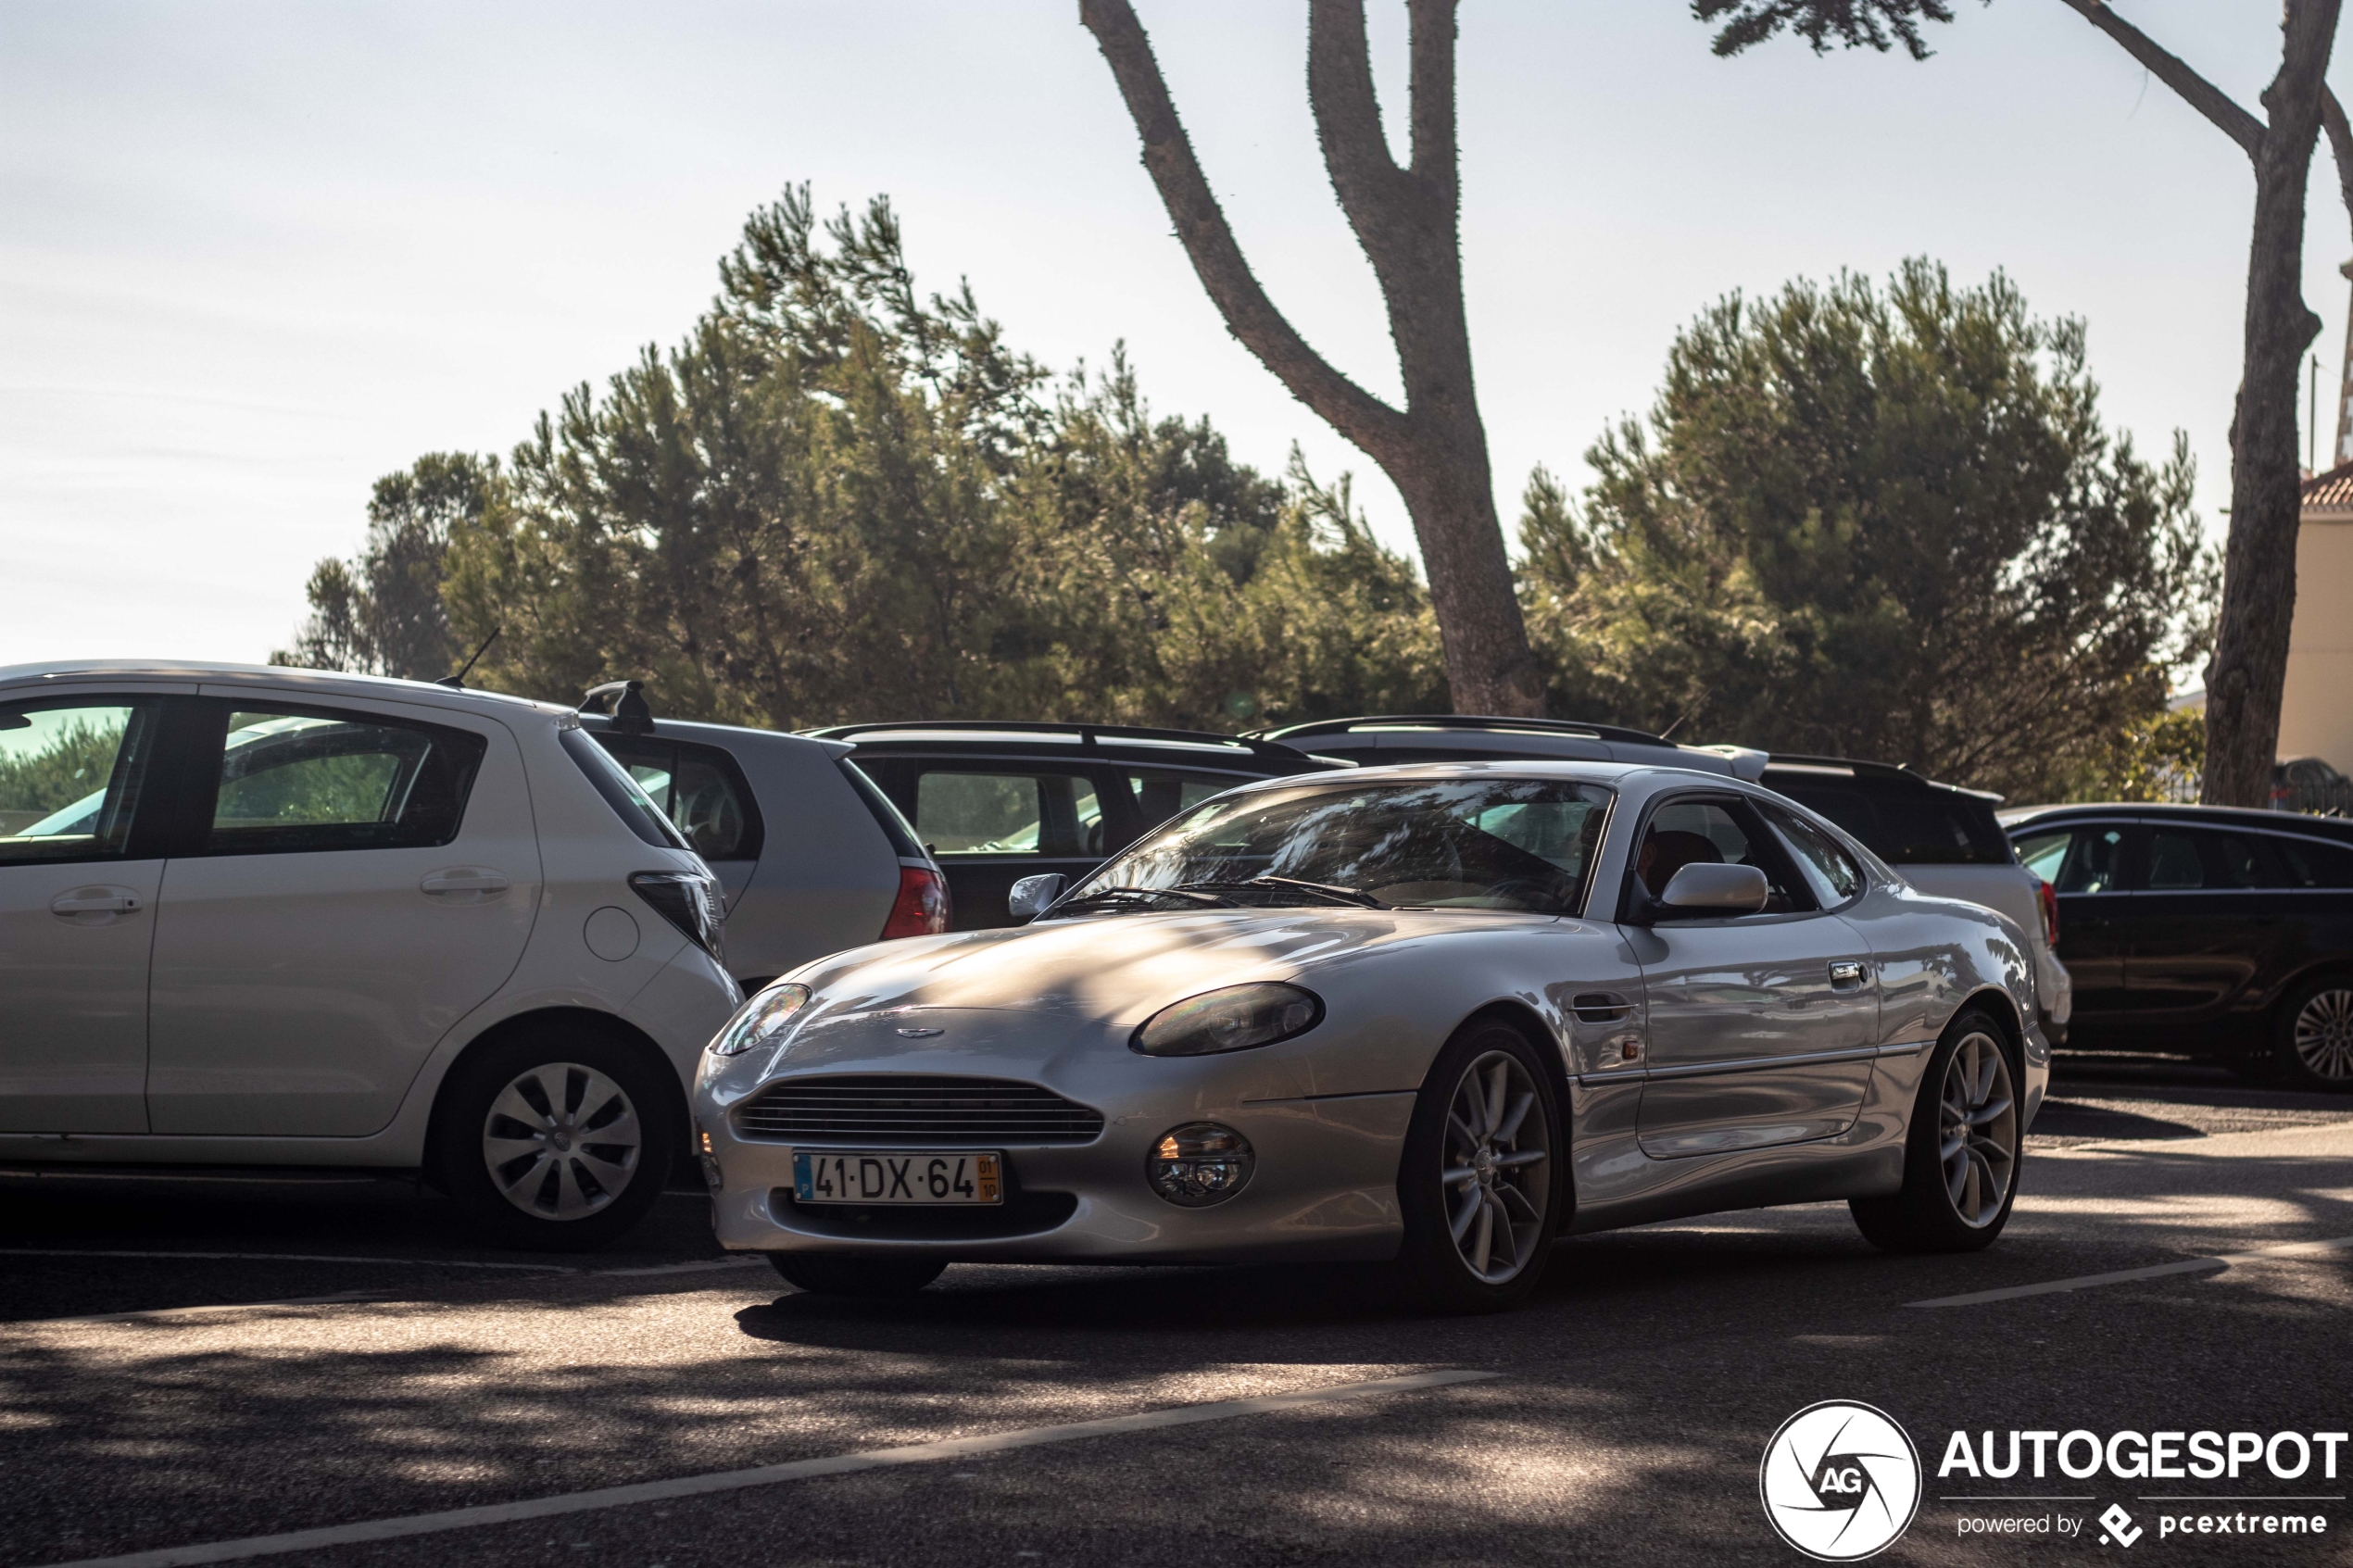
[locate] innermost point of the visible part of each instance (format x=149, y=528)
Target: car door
x=2090, y=865
x=990, y=823
x=2206, y=921
x=1761, y=1027
x=79, y=867
x=349, y=881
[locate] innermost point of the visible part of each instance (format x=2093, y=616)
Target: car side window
x=2174, y=862
x=2094, y=860
x=1006, y=811
x=698, y=787
x=70, y=777
x=1161, y=793
x=1688, y=832
x=2310, y=863
x=1828, y=869
x=2043, y=853
x=293, y=780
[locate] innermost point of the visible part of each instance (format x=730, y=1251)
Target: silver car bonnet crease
x=1701, y=1060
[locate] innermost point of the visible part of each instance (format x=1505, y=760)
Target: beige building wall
x=2316, y=710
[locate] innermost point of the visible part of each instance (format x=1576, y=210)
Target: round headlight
x=1198, y=1164
x=1232, y=1020
x=761, y=1020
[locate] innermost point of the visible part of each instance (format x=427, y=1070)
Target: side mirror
x=1712, y=889
x=1032, y=894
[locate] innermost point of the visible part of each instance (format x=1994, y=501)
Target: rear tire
x=1964, y=1151
x=557, y=1137
x=822, y=1275
x=1483, y=1181
x=2312, y=1041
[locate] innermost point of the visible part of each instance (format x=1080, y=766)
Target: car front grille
x=894, y=1110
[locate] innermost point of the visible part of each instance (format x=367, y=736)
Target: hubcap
x=2324, y=1036
x=1494, y=1182
x=1978, y=1124
x=561, y=1141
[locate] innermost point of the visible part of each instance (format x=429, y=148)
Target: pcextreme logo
x=1840, y=1480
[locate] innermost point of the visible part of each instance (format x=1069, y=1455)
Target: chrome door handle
x=466, y=879
x=1846, y=974
x=94, y=901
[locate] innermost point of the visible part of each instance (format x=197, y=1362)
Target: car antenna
x=458, y=682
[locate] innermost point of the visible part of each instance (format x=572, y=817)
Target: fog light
x=1198, y=1164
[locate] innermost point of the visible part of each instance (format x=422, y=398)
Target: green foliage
x=1875, y=24
x=383, y=613
x=1884, y=525
x=839, y=500
x=61, y=766
x=2160, y=758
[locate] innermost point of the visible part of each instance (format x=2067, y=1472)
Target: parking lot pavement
x=1623, y=1422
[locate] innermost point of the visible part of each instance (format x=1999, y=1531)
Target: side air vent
x=1600, y=1007
x=911, y=1111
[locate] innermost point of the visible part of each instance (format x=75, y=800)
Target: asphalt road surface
x=190, y=1366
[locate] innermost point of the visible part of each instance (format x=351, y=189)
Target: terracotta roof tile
x=2331, y=491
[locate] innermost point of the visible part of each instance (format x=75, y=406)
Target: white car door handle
x=94, y=901
x=466, y=879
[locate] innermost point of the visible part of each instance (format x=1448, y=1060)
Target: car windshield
x=1490, y=844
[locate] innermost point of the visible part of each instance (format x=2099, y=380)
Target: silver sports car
x=1444, y=1014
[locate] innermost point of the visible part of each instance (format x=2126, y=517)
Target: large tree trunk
x=1408, y=222
x=2249, y=668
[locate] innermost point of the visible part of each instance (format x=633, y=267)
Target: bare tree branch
x=1373, y=191
x=2340, y=144
x=2172, y=69
x=1209, y=239
x=1433, y=98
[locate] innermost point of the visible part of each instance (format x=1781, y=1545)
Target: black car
x=996, y=802
x=2223, y=933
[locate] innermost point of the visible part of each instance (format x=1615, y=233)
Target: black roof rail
x=1088, y=735
x=1860, y=767
x=1465, y=721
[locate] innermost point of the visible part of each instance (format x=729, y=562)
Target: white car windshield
x=1488, y=843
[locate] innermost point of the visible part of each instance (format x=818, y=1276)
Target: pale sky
x=254, y=255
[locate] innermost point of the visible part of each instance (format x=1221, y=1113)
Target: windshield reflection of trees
x=1509, y=844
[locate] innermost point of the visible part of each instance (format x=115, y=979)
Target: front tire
x=824, y=1276
x=557, y=1137
x=2313, y=1043
x=1483, y=1179
x=1962, y=1154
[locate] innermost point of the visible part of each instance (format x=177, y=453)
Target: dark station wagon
x=2221, y=933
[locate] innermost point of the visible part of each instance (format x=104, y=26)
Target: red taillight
x=921, y=909
x=2050, y=912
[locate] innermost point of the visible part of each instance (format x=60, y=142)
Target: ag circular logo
x=1840, y=1480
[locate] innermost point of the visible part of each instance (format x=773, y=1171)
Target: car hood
x=1120, y=969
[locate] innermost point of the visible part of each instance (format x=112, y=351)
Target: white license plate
x=856, y=1176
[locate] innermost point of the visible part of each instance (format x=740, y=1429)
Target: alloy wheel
x=2324, y=1036
x=1977, y=1130
x=1494, y=1177
x=561, y=1141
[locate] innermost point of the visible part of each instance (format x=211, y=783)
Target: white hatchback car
x=261, y=916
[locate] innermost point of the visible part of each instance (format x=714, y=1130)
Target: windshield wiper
x=1183, y=895
x=1329, y=890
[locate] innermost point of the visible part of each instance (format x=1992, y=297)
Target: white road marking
x=2125, y=1276
x=763, y=1475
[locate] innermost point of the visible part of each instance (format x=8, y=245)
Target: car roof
x=1459, y=723
x=323, y=683
x=2205, y=816
x=1574, y=770
x=1866, y=771
x=721, y=735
